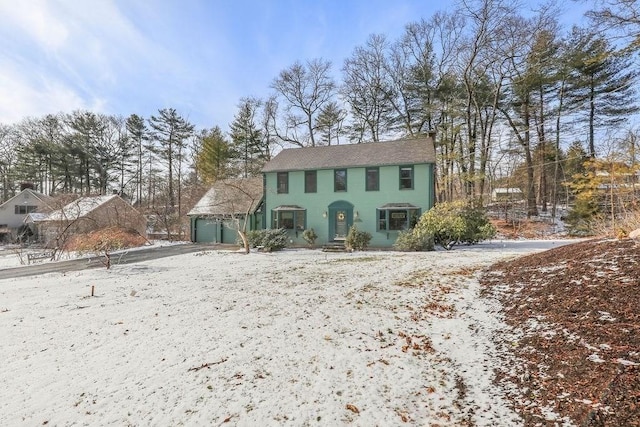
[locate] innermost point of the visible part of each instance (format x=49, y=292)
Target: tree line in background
x=514, y=100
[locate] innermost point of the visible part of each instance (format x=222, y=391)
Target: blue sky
x=197, y=56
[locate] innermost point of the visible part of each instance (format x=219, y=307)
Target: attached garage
x=212, y=217
x=205, y=230
x=214, y=230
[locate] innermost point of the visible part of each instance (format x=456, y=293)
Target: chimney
x=25, y=185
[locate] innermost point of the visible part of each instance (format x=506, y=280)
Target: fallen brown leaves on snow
x=578, y=308
x=353, y=408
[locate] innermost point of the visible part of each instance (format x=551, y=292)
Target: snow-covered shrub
x=357, y=240
x=408, y=241
x=269, y=240
x=451, y=223
x=310, y=236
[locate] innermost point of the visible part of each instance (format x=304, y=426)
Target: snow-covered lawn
x=298, y=337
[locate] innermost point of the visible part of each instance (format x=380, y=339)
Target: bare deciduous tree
x=304, y=90
x=621, y=18
x=366, y=90
x=8, y=156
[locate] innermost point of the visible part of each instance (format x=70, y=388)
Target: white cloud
x=23, y=97
x=67, y=55
x=37, y=19
x=125, y=56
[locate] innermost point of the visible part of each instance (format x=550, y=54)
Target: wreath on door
x=340, y=216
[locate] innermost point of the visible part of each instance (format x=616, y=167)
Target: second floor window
x=25, y=209
x=340, y=180
x=406, y=177
x=310, y=181
x=372, y=179
x=283, y=182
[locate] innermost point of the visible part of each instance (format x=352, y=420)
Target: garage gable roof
x=230, y=197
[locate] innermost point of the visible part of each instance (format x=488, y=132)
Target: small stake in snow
x=92, y=290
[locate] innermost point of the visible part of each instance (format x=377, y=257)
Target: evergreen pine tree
x=170, y=131
x=212, y=161
x=138, y=134
x=246, y=139
x=329, y=123
x=603, y=83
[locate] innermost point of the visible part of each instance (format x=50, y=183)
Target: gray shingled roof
x=79, y=208
x=404, y=151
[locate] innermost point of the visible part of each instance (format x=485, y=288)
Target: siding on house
x=328, y=211
x=14, y=210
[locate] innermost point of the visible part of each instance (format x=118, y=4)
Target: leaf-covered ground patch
x=575, y=311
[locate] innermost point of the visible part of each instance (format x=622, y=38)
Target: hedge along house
x=217, y=215
x=381, y=187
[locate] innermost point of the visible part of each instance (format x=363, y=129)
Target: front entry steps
x=334, y=247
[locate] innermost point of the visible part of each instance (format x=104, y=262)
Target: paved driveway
x=122, y=257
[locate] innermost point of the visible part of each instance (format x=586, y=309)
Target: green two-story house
x=381, y=187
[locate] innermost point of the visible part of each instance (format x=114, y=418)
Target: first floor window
x=398, y=220
x=288, y=219
x=382, y=219
x=395, y=218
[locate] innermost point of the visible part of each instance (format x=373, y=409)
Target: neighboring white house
x=510, y=194
x=14, y=211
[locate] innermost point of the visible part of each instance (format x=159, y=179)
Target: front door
x=340, y=219
x=341, y=225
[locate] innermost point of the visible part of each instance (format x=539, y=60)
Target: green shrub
x=254, y=237
x=582, y=217
x=310, y=236
x=477, y=225
x=408, y=241
x=451, y=223
x=357, y=240
x=270, y=239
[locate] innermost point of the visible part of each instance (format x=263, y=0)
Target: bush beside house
x=269, y=240
x=357, y=240
x=447, y=224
